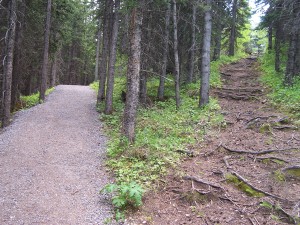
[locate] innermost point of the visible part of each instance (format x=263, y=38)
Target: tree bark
x=133, y=73
x=8, y=63
x=112, y=60
x=18, y=55
x=105, y=52
x=232, y=38
x=193, y=44
x=43, y=85
x=217, y=40
x=54, y=69
x=98, y=52
x=176, y=57
x=270, y=38
x=290, y=66
x=278, y=37
x=161, y=88
x=205, y=73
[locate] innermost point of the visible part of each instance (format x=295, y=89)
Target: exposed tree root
x=198, y=180
x=258, y=153
x=272, y=158
x=257, y=189
x=285, y=127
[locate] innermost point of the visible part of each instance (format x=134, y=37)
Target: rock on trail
x=51, y=162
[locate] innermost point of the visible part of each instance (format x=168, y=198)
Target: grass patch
x=285, y=98
x=31, y=100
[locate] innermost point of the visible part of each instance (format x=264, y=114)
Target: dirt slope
x=51, y=162
x=252, y=126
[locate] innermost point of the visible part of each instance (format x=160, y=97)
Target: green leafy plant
x=125, y=194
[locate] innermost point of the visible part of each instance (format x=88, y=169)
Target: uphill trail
x=52, y=162
x=258, y=147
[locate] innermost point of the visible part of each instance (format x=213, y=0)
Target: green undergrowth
x=285, y=98
x=31, y=100
x=162, y=132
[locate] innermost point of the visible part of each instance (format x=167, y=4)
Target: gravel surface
x=52, y=162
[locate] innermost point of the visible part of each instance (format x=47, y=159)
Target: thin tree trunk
x=112, y=60
x=18, y=54
x=176, y=58
x=278, y=41
x=270, y=38
x=161, y=88
x=98, y=51
x=146, y=40
x=54, y=69
x=290, y=66
x=133, y=73
x=205, y=73
x=43, y=86
x=232, y=38
x=192, y=49
x=104, y=53
x=8, y=63
x=218, y=39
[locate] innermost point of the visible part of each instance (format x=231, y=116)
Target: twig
x=257, y=189
x=226, y=162
x=260, y=152
x=198, y=180
x=212, y=151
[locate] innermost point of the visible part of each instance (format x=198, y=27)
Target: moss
x=265, y=128
x=243, y=186
x=279, y=176
x=293, y=172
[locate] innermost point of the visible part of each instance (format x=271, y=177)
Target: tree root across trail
x=51, y=161
x=246, y=173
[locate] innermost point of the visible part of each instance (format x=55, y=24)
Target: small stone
x=187, y=215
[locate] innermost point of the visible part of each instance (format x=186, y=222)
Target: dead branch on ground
x=198, y=180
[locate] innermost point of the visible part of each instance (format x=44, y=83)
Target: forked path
x=51, y=162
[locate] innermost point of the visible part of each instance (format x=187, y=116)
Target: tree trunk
x=205, y=73
x=112, y=60
x=232, y=38
x=278, y=35
x=54, y=69
x=18, y=54
x=193, y=44
x=270, y=38
x=133, y=73
x=98, y=51
x=104, y=53
x=292, y=52
x=176, y=58
x=161, y=88
x=217, y=40
x=8, y=63
x=145, y=63
x=43, y=84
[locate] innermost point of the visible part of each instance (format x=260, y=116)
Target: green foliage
x=124, y=195
x=243, y=186
x=286, y=98
x=32, y=100
x=279, y=176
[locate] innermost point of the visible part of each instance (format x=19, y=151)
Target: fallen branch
x=258, y=153
x=198, y=180
x=257, y=189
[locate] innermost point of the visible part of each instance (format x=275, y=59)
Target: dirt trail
x=252, y=126
x=51, y=162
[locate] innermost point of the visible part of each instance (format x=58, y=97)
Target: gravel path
x=51, y=162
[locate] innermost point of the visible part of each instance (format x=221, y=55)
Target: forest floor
x=51, y=162
x=214, y=186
